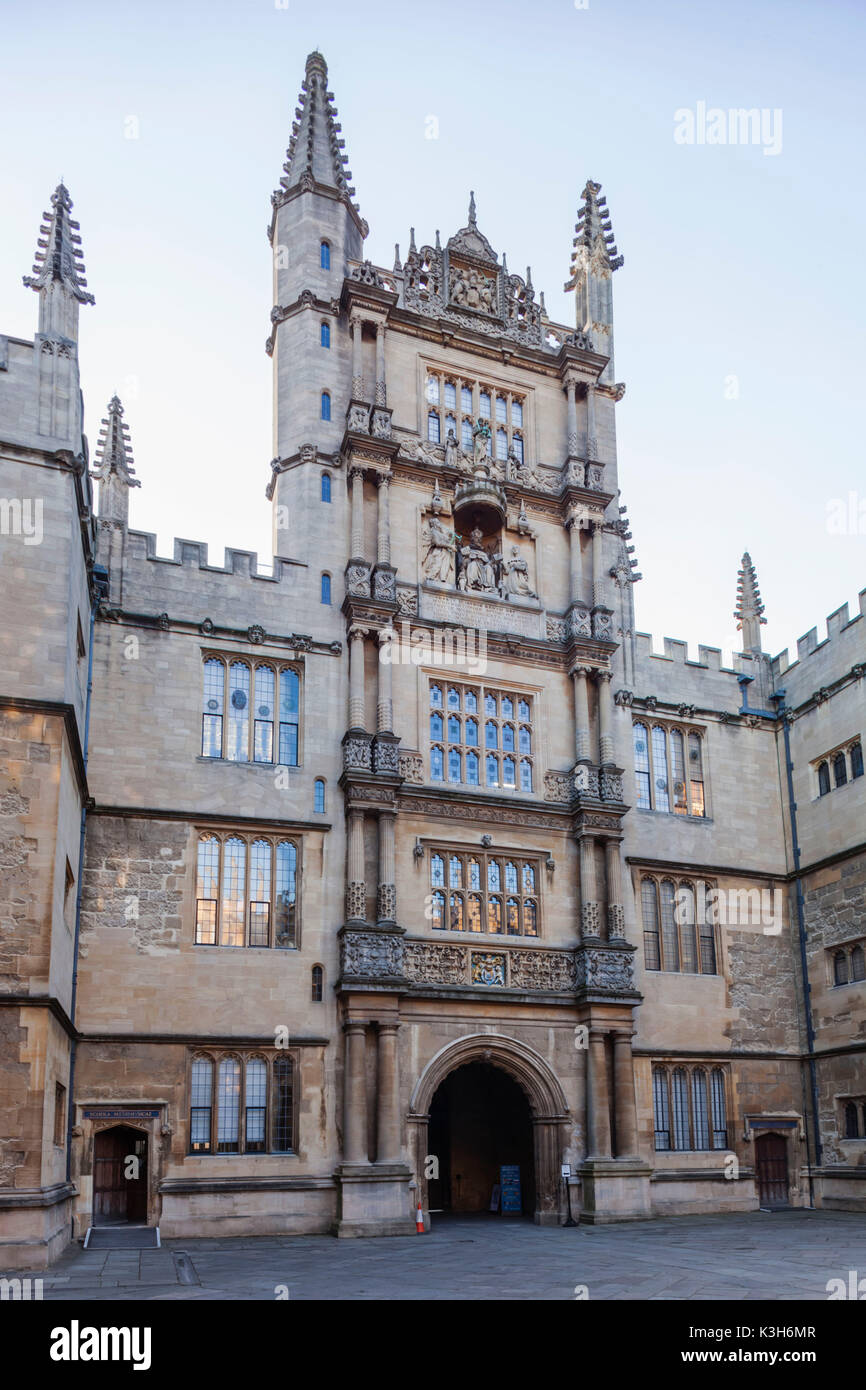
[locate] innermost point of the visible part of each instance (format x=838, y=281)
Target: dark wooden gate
x=119, y=1194
x=771, y=1163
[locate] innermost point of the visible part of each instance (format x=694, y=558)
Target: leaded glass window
x=246, y=891
x=455, y=735
x=668, y=769
x=248, y=691
x=487, y=893
x=679, y=934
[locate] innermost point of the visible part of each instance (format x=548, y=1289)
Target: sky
x=738, y=313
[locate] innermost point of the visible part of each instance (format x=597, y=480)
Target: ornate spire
x=113, y=449
x=315, y=154
x=750, y=610
x=594, y=236
x=58, y=255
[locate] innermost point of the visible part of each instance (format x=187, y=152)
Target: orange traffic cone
x=419, y=1221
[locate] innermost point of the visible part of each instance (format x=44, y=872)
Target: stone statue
x=481, y=438
x=471, y=290
x=517, y=576
x=439, y=559
x=451, y=450
x=477, y=567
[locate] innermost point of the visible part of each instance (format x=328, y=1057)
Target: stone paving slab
x=780, y=1256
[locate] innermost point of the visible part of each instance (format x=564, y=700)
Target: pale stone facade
x=452, y=839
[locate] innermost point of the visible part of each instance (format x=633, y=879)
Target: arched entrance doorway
x=119, y=1176
x=480, y=1123
x=539, y=1093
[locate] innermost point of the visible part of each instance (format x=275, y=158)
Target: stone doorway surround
x=551, y=1118
x=92, y=1118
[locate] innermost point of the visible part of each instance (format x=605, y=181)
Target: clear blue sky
x=736, y=263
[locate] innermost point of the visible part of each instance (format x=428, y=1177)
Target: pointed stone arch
x=544, y=1094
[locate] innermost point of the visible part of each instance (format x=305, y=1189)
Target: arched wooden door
x=119, y=1176
x=771, y=1165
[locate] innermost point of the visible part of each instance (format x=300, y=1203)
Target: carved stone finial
x=113, y=449
x=58, y=256
x=750, y=610
x=472, y=217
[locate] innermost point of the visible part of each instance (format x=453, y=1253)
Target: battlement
x=840, y=624
x=141, y=545
x=709, y=658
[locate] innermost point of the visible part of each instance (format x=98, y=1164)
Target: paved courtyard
x=783, y=1255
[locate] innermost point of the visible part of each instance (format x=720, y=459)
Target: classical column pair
x=355, y=1144
x=598, y=1129
x=356, y=881
x=357, y=695
x=580, y=674
x=590, y=909
x=591, y=442
x=356, y=322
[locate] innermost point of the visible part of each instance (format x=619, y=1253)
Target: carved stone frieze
x=611, y=785
x=448, y=808
x=432, y=963
x=545, y=970
x=386, y=755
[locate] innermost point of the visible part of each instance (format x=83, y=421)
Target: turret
x=593, y=262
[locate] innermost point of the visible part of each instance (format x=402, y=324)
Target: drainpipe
x=99, y=591
x=779, y=700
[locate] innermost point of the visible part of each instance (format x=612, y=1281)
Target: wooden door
x=771, y=1163
x=119, y=1185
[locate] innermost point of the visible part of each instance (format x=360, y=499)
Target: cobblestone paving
x=779, y=1256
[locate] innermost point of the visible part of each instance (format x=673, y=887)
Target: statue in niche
x=516, y=579
x=440, y=554
x=451, y=450
x=478, y=567
x=481, y=437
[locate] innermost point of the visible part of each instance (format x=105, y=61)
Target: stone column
x=357, y=479
x=356, y=883
x=605, y=707
x=383, y=535
x=575, y=560
x=597, y=1102
x=598, y=585
x=386, y=899
x=385, y=702
x=581, y=714
x=624, y=1100
x=571, y=427
x=357, y=363
x=355, y=1099
x=388, y=1103
x=357, y=712
x=589, y=909
x=381, y=390
x=591, y=442
x=615, y=910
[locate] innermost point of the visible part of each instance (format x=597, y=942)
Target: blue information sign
x=509, y=1177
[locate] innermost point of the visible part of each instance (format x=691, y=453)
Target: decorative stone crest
x=487, y=969
x=605, y=970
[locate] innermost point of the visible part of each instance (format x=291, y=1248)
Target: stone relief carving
x=411, y=767
x=586, y=780
x=357, y=755
x=386, y=755
x=432, y=964
x=557, y=630
x=371, y=955
x=385, y=585
x=604, y=970
x=516, y=576
x=407, y=602
x=440, y=543
x=611, y=785
x=558, y=786
x=358, y=580
x=554, y=970
x=581, y=621
x=487, y=968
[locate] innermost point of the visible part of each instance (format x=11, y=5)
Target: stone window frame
x=665, y=1106
x=656, y=931
x=243, y=1055
x=249, y=838
x=847, y=1104
x=483, y=855
x=853, y=953
x=278, y=666
x=653, y=793
x=60, y=1121
x=517, y=428
x=445, y=745
x=824, y=768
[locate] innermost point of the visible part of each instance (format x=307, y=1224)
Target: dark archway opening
x=119, y=1176
x=480, y=1121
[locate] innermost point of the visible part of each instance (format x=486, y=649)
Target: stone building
x=334, y=888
